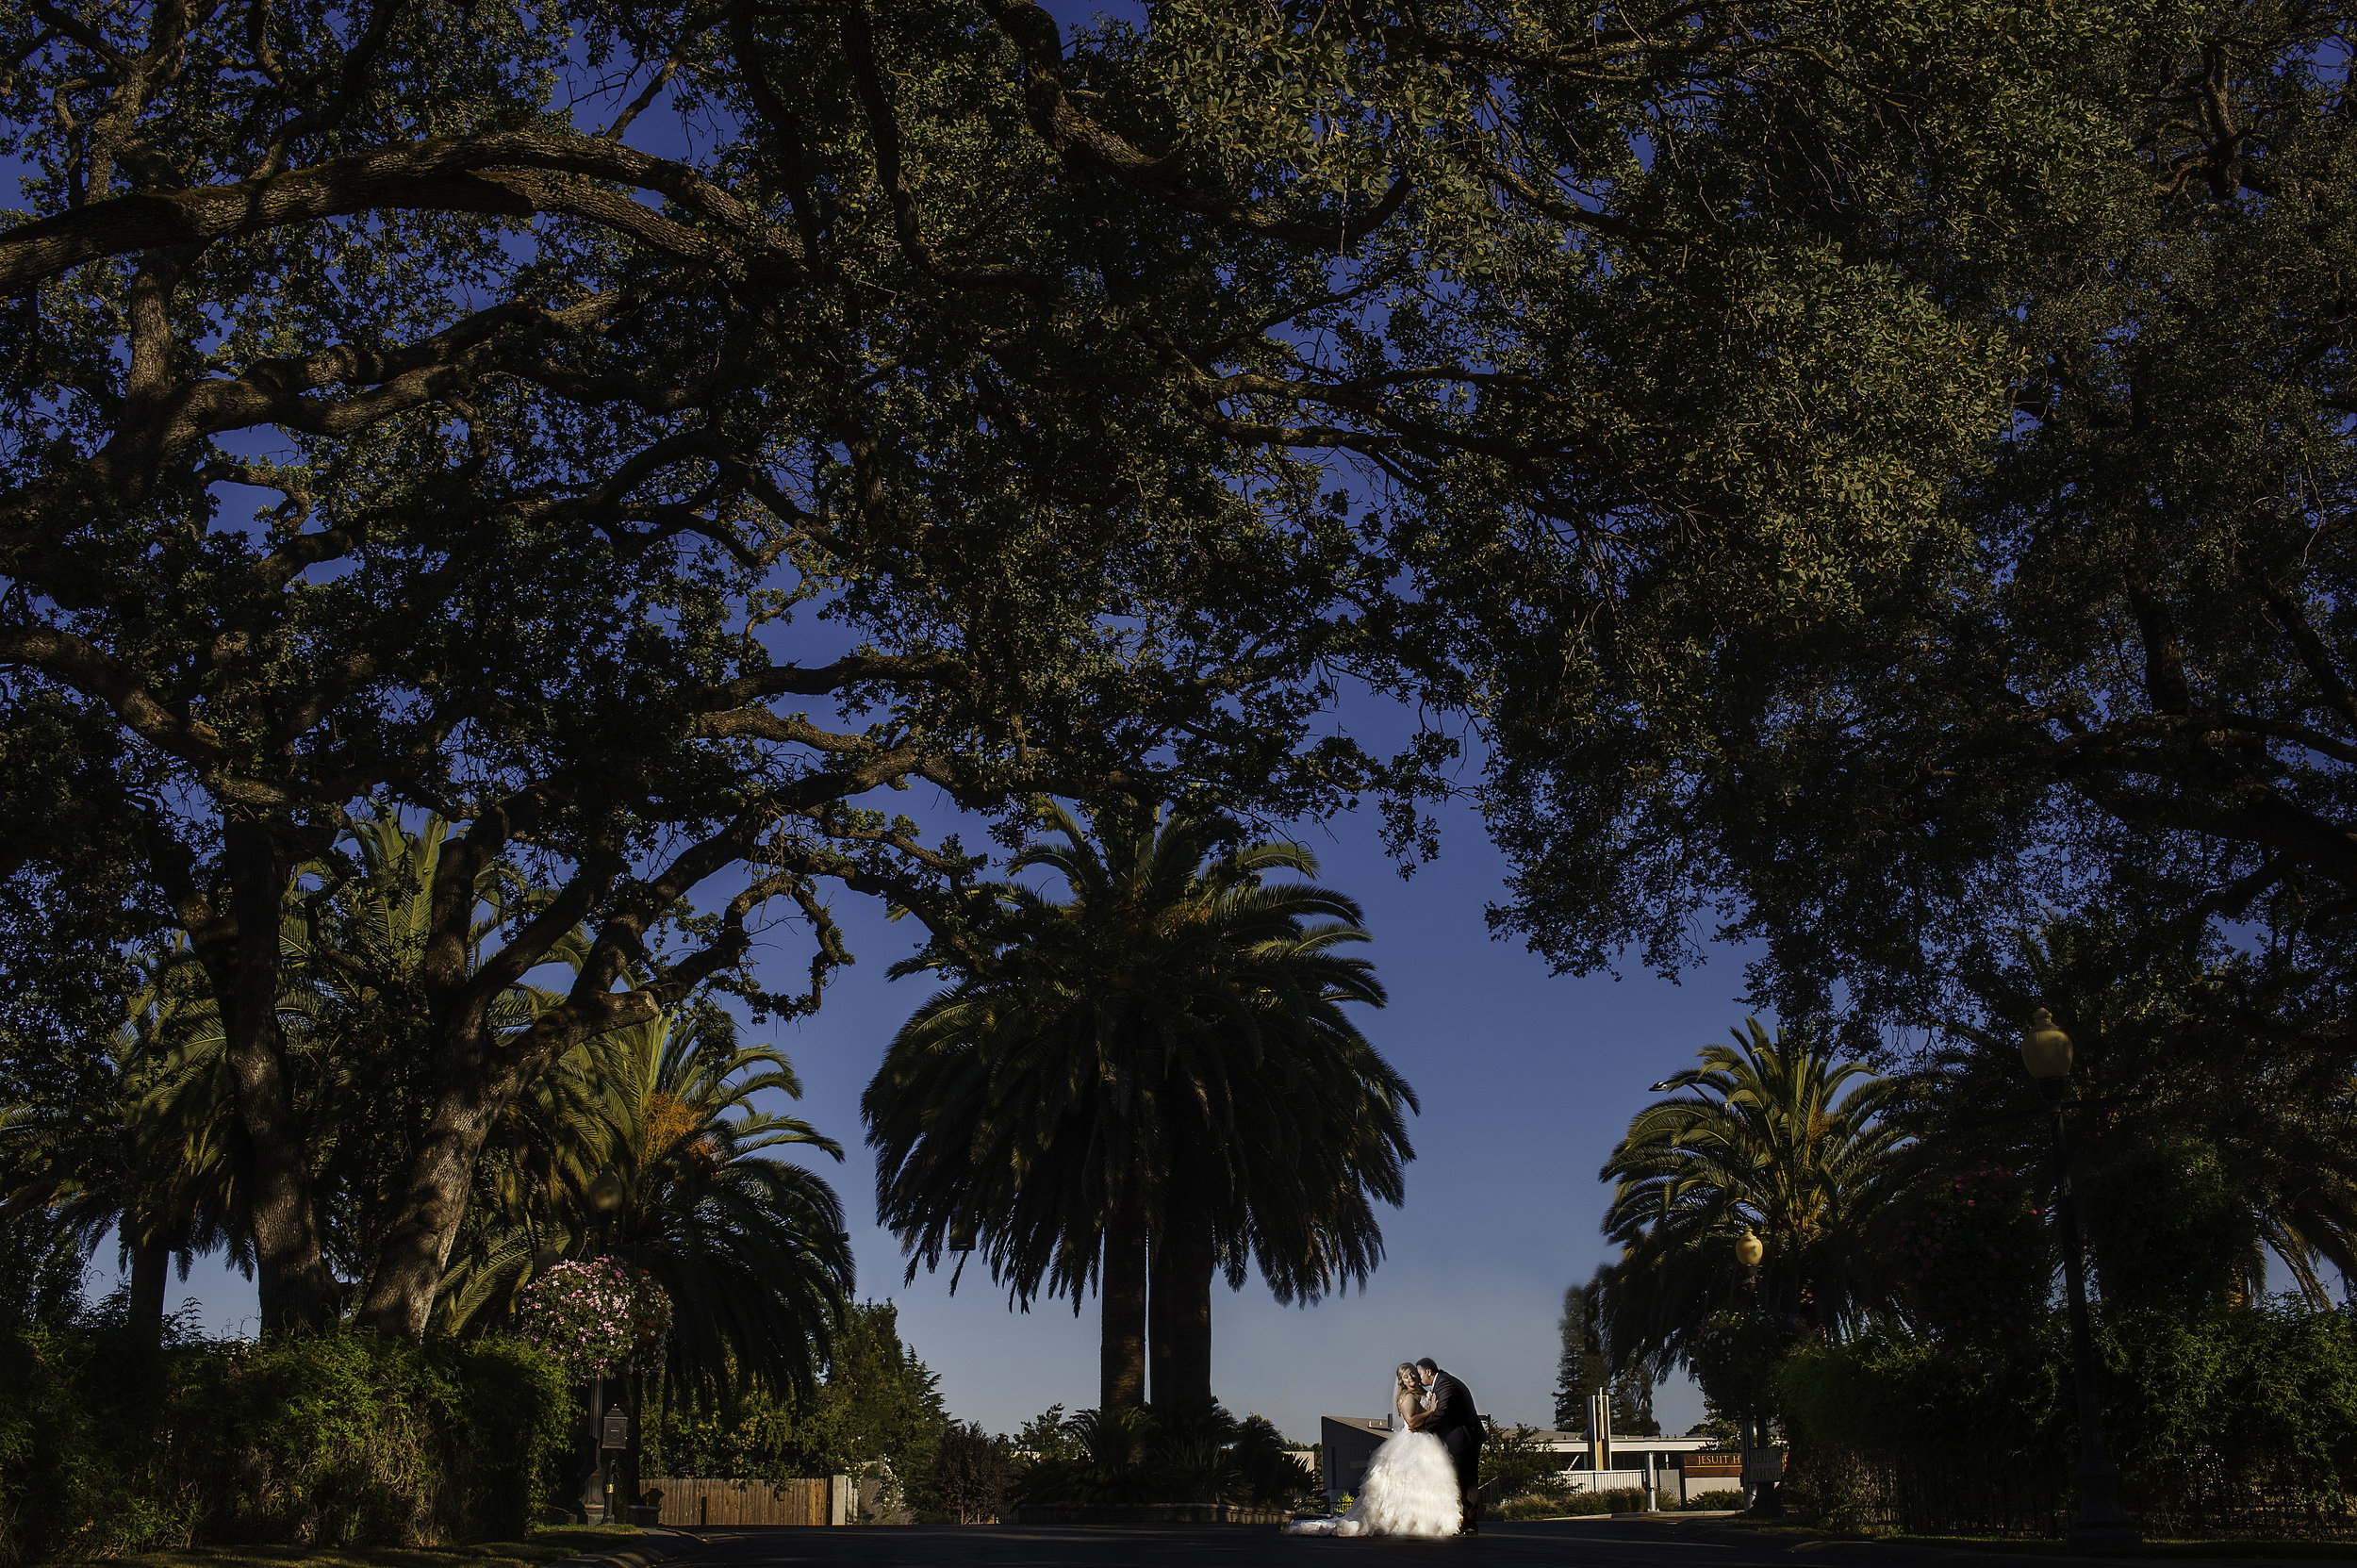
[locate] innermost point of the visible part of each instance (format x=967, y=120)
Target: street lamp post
x=2099, y=1523
x=606, y=1197
x=1748, y=1251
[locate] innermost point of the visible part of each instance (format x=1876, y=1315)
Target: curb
x=662, y=1544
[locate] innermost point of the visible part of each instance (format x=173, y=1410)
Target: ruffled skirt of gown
x=1409, y=1488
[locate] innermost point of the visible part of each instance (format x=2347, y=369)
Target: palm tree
x=750, y=1249
x=1759, y=1136
x=1153, y=1074
x=2217, y=1116
x=145, y=1150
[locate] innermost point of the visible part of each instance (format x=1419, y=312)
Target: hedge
x=2233, y=1419
x=338, y=1440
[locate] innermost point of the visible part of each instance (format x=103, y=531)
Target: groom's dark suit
x=1457, y=1424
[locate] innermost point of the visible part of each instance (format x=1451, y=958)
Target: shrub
x=1571, y=1505
x=1530, y=1508
x=1513, y=1466
x=2233, y=1414
x=338, y=1440
x=1729, y=1498
x=971, y=1470
x=1969, y=1253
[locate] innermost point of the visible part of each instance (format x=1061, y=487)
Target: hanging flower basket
x=597, y=1316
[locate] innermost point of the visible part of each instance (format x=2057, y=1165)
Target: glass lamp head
x=2045, y=1048
x=605, y=1193
x=1749, y=1248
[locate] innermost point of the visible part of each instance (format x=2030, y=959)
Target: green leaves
x=1170, y=1037
x=1760, y=1137
x=1998, y=396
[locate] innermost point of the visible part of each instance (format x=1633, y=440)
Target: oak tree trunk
x=289, y=1266
x=436, y=1187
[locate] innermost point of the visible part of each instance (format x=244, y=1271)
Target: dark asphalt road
x=1564, y=1544
x=1573, y=1544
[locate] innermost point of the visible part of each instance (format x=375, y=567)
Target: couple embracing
x=1426, y=1477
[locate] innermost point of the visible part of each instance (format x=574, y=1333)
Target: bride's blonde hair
x=1406, y=1378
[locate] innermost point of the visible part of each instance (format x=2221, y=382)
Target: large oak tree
x=2115, y=667
x=675, y=422
x=640, y=510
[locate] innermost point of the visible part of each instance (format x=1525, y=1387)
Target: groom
x=1457, y=1424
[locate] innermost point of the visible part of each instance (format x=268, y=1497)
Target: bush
x=2230, y=1419
x=340, y=1439
x=1730, y=1497
x=1571, y=1505
x=1529, y=1507
x=1514, y=1467
x=1969, y=1253
x=971, y=1470
x=1193, y=1455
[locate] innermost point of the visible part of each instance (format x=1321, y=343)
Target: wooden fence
x=690, y=1501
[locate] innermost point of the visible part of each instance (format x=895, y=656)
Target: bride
x=1410, y=1486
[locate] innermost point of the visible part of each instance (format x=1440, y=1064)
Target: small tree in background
x=1267, y=1465
x=1583, y=1368
x=1513, y=1466
x=971, y=1470
x=1049, y=1436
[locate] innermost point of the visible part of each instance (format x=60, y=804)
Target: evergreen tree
x=1582, y=1367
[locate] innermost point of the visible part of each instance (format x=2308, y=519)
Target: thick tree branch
x=549, y=173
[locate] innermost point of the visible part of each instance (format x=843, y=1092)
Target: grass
x=544, y=1546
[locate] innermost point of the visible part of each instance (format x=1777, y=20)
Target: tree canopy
x=1153, y=1076
x=1843, y=460
x=637, y=509
x=2108, y=662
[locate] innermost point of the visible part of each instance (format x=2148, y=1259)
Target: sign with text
x=1707, y=1463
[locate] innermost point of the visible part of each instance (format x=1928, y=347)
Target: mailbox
x=616, y=1433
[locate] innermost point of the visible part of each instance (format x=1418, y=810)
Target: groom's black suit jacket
x=1455, y=1421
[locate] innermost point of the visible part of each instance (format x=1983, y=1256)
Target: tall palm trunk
x=150, y=1271
x=1180, y=1314
x=1121, y=1352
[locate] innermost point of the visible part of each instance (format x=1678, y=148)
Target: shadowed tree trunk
x=241, y=958
x=1183, y=1263
x=151, y=1267
x=1121, y=1352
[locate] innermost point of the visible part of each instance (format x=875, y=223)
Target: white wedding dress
x=1410, y=1487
